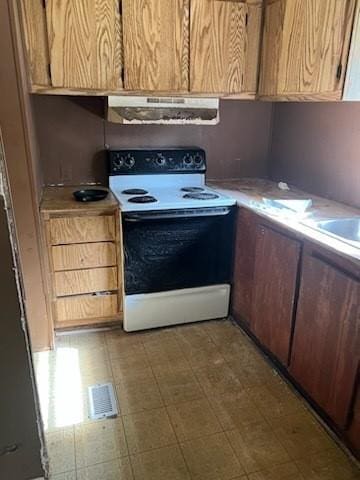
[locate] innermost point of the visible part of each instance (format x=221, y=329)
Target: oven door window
x=170, y=254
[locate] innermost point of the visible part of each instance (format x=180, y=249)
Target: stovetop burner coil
x=201, y=196
x=192, y=189
x=134, y=191
x=143, y=199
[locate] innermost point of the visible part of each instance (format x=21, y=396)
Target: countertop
x=249, y=193
x=61, y=200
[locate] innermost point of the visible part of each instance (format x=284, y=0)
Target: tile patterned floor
x=197, y=402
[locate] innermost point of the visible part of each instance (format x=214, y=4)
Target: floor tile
x=287, y=471
x=121, y=344
x=159, y=336
x=89, y=341
x=251, y=369
x=162, y=355
x=211, y=458
x=162, y=464
x=257, y=448
x=276, y=402
x=192, y=336
x=178, y=386
x=61, y=450
x=219, y=331
x=329, y=465
x=218, y=380
x=119, y=469
x=193, y=419
x=189, y=383
x=235, y=410
x=99, y=442
x=139, y=395
x=93, y=374
x=206, y=355
x=148, y=430
x=64, y=476
x=302, y=435
x=128, y=367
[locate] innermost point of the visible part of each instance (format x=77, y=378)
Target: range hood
x=163, y=110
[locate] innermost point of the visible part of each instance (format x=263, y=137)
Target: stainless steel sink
x=346, y=229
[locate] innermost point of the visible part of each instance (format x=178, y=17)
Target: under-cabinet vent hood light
x=163, y=110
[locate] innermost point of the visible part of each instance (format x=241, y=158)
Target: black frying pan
x=90, y=194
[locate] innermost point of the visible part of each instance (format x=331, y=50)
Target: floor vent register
x=102, y=401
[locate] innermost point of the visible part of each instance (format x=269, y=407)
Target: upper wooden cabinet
x=224, y=40
x=156, y=45
x=36, y=43
x=352, y=83
x=305, y=49
x=195, y=47
x=84, y=39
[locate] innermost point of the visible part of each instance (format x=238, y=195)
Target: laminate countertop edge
x=249, y=193
x=59, y=200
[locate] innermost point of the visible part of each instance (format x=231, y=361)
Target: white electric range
x=178, y=237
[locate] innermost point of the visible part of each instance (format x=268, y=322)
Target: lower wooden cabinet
x=83, y=260
x=326, y=349
x=85, y=309
x=302, y=303
x=245, y=245
x=353, y=431
x=275, y=278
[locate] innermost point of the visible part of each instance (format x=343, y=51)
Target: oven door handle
x=178, y=214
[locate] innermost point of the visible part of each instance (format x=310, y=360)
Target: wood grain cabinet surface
x=244, y=265
x=156, y=45
x=275, y=283
x=194, y=47
x=352, y=82
x=224, y=46
x=305, y=49
x=326, y=348
x=83, y=259
x=85, y=44
x=353, y=431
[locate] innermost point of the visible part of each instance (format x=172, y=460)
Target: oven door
x=177, y=249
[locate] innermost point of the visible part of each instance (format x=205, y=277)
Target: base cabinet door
x=275, y=278
x=326, y=347
x=243, y=281
x=353, y=432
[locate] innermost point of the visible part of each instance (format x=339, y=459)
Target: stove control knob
x=117, y=162
x=160, y=160
x=129, y=160
x=188, y=160
x=198, y=159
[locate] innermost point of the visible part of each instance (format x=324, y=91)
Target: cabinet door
x=305, y=48
x=353, y=432
x=156, y=44
x=352, y=83
x=326, y=347
x=275, y=278
x=34, y=28
x=85, y=43
x=224, y=40
x=243, y=280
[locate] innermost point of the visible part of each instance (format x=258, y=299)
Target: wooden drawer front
x=82, y=229
x=85, y=281
x=86, y=306
x=84, y=255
